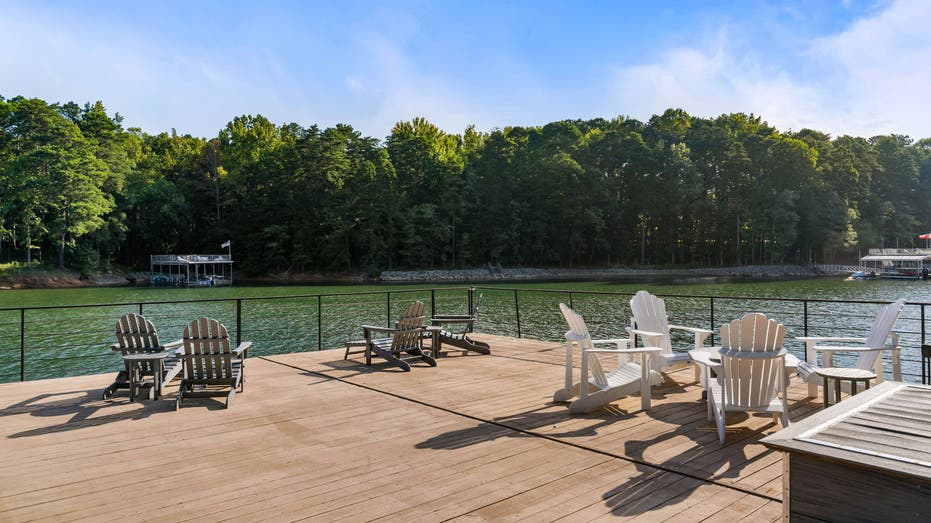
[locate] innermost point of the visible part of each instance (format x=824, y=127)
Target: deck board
x=317, y=438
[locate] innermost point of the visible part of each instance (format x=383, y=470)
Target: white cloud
x=710, y=82
x=401, y=90
x=883, y=83
x=155, y=85
x=873, y=79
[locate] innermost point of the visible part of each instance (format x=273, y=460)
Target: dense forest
x=79, y=190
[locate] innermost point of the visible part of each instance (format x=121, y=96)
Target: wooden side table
x=132, y=362
x=435, y=343
x=839, y=374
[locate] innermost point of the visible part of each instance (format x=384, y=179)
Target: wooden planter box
x=867, y=458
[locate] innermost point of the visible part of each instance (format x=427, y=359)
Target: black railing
x=802, y=317
x=70, y=339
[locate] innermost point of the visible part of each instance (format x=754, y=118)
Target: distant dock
x=191, y=270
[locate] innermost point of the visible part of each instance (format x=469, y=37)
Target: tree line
x=80, y=190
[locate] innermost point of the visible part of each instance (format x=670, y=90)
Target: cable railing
x=537, y=313
x=65, y=340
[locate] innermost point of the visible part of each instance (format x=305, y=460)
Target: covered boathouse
x=908, y=264
x=191, y=270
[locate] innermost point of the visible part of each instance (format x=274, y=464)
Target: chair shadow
x=82, y=408
x=524, y=424
x=634, y=495
x=357, y=368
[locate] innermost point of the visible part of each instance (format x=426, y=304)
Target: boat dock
x=191, y=270
x=897, y=264
x=320, y=438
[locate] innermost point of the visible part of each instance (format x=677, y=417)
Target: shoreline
x=41, y=279
x=748, y=272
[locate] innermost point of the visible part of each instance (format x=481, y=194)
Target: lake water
x=74, y=340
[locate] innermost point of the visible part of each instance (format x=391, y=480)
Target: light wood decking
x=318, y=438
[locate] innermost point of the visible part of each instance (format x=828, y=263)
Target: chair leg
x=721, y=427
x=429, y=359
x=394, y=360
x=184, y=386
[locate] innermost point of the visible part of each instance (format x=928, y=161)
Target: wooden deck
x=318, y=438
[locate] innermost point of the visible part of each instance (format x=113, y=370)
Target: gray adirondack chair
x=136, y=334
x=459, y=336
x=211, y=367
x=400, y=344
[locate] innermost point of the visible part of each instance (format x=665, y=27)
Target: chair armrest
x=627, y=351
x=841, y=348
x=695, y=330
x=243, y=349
x=613, y=341
x=372, y=328
x=638, y=332
x=173, y=344
x=463, y=320
x=828, y=338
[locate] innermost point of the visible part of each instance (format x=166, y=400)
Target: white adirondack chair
x=869, y=350
x=752, y=374
x=651, y=323
x=596, y=387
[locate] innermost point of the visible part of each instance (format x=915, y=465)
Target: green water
x=71, y=341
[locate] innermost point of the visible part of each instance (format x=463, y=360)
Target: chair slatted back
x=207, y=350
x=879, y=332
x=650, y=315
x=407, y=334
x=751, y=352
x=135, y=334
x=578, y=332
x=414, y=309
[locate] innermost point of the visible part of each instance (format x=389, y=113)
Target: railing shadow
x=522, y=425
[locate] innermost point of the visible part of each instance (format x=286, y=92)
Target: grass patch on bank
x=18, y=269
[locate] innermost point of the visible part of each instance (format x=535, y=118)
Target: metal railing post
x=471, y=295
x=238, y=322
x=922, y=323
x=711, y=328
x=517, y=312
x=22, y=345
x=388, y=315
x=140, y=309
x=571, y=301
x=432, y=302
x=319, y=322
x=805, y=318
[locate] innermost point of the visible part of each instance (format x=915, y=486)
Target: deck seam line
x=527, y=432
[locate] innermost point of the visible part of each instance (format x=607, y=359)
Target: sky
x=842, y=67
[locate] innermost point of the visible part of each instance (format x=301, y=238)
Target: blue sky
x=845, y=67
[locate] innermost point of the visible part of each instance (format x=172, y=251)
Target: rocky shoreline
x=41, y=279
x=748, y=272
